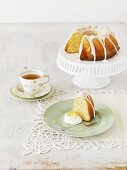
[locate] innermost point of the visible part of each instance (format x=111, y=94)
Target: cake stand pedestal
x=91, y=83
x=89, y=74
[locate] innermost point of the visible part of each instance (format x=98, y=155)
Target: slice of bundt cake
x=84, y=107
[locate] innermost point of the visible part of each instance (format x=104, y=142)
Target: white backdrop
x=63, y=11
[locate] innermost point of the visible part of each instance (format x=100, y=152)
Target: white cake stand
x=89, y=74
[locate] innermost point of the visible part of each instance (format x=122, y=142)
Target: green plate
x=31, y=99
x=54, y=118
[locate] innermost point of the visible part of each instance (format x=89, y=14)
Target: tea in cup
x=33, y=80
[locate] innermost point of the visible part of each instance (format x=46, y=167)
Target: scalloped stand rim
x=88, y=74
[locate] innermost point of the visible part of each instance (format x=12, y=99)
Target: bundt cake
x=84, y=106
x=92, y=43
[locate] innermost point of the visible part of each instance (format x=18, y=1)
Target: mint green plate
x=54, y=118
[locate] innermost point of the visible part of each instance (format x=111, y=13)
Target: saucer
x=18, y=93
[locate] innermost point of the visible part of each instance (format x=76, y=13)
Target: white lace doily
x=42, y=139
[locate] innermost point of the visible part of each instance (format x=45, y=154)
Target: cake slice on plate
x=84, y=106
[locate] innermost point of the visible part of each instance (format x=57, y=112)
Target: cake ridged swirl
x=93, y=43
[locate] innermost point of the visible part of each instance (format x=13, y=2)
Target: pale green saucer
x=54, y=118
x=30, y=99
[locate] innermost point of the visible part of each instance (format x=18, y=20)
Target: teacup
x=32, y=81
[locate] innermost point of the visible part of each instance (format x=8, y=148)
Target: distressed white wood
x=36, y=46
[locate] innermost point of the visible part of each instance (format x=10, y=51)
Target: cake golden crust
x=92, y=45
x=84, y=107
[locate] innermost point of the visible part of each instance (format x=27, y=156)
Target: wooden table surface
x=36, y=46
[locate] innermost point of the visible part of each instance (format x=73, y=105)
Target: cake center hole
x=89, y=33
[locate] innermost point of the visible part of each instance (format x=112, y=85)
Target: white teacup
x=32, y=81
